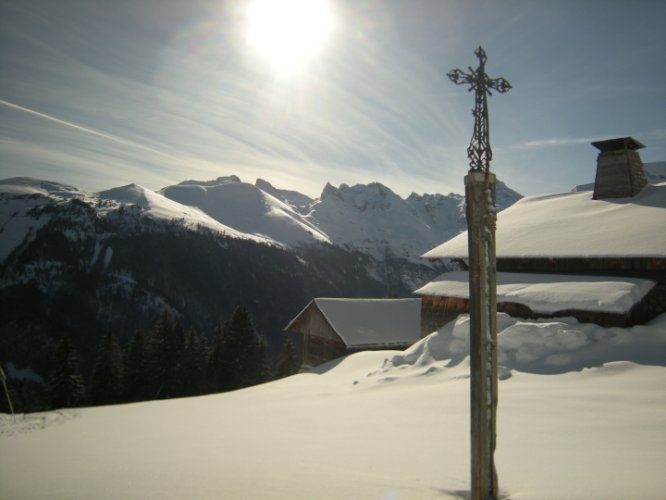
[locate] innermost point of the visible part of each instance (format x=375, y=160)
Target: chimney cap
x=618, y=144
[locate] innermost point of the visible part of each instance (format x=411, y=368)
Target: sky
x=99, y=94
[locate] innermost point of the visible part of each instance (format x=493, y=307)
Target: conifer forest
x=166, y=361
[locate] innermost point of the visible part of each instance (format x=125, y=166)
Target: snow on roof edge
x=348, y=342
x=321, y=302
x=287, y=328
x=550, y=293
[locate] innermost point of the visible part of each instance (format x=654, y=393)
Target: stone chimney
x=620, y=171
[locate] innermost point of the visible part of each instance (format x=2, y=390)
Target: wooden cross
x=480, y=186
x=479, y=151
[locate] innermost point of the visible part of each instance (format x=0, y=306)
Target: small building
x=605, y=300
x=334, y=327
x=599, y=255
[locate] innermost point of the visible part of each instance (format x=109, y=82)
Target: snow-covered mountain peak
x=215, y=182
x=158, y=206
x=298, y=201
x=248, y=209
x=505, y=196
x=656, y=171
x=370, y=218
x=130, y=193
x=330, y=191
x=373, y=219
x=30, y=186
x=373, y=196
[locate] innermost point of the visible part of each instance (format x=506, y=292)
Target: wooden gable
x=331, y=327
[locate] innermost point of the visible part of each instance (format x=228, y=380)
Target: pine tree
x=134, y=369
x=66, y=386
x=164, y=349
x=106, y=384
x=288, y=364
x=190, y=371
x=196, y=368
x=258, y=369
x=238, y=355
x=217, y=375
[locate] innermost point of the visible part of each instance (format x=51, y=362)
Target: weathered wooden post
x=3, y=378
x=481, y=216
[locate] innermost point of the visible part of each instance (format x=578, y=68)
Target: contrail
x=87, y=130
x=558, y=141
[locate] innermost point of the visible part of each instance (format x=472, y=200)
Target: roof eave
x=288, y=327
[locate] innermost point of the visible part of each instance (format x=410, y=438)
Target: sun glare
x=289, y=32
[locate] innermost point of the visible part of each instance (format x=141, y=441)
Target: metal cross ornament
x=479, y=151
x=480, y=195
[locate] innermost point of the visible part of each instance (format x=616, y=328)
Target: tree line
x=165, y=362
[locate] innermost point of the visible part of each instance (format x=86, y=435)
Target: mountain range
x=80, y=263
x=369, y=218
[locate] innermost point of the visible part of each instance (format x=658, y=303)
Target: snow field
x=378, y=425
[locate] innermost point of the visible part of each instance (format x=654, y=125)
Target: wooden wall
x=437, y=311
x=639, y=267
x=652, y=268
x=320, y=342
x=620, y=174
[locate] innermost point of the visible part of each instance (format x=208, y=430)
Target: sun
x=289, y=32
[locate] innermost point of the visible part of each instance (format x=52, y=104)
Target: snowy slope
x=375, y=425
x=20, y=195
x=160, y=207
x=15, y=224
x=298, y=201
x=247, y=209
x=575, y=225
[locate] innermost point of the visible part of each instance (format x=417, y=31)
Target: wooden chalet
x=334, y=327
x=577, y=244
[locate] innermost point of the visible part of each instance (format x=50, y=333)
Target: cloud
x=360, y=112
x=81, y=128
x=181, y=95
x=659, y=133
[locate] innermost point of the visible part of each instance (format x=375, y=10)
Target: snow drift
x=582, y=415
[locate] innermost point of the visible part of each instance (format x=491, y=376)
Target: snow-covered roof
x=575, y=225
x=372, y=322
x=548, y=293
